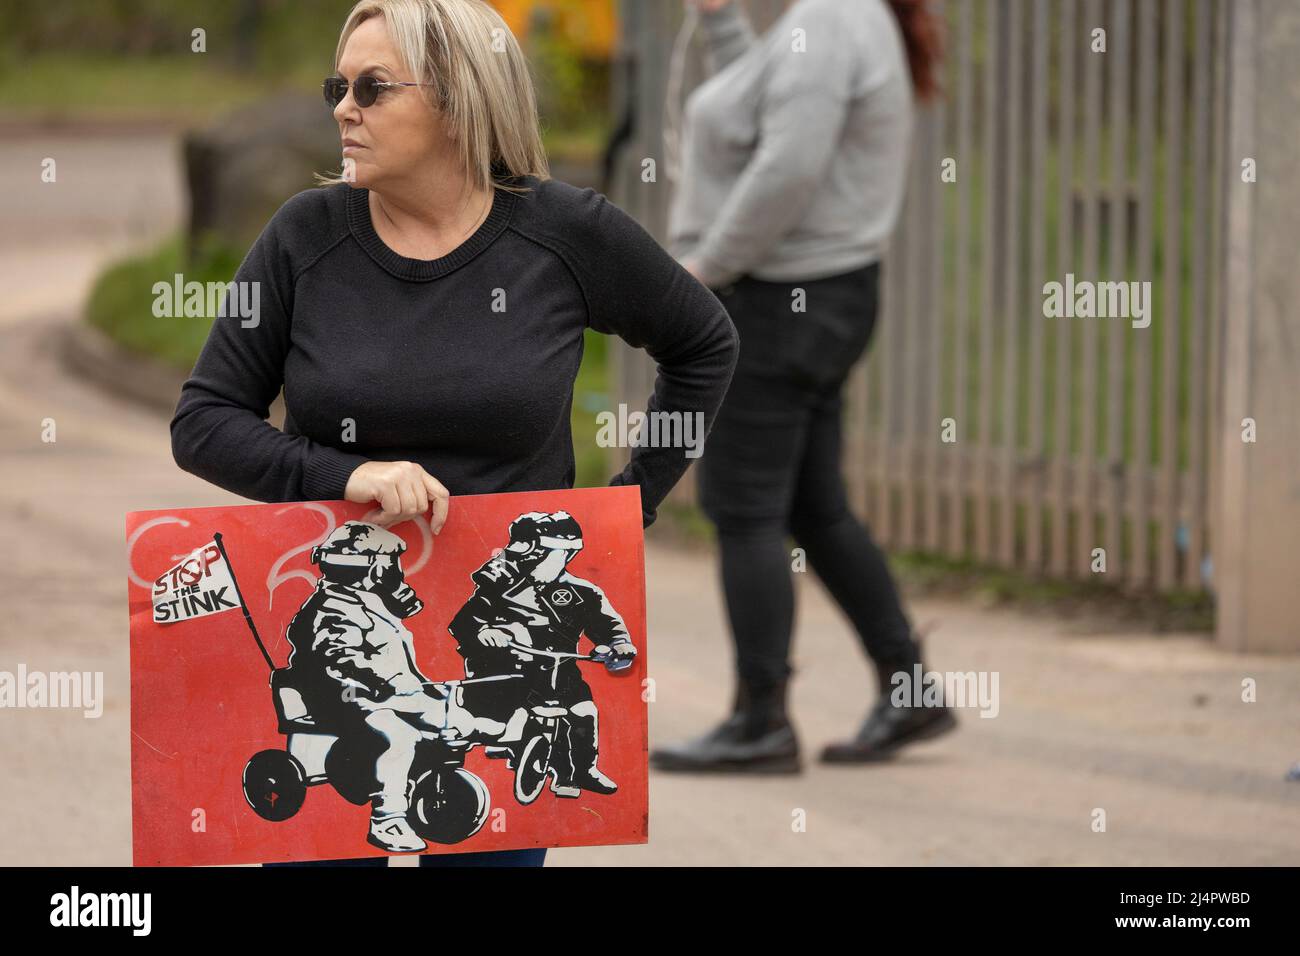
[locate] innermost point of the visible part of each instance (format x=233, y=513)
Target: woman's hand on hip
x=691, y=266
x=403, y=490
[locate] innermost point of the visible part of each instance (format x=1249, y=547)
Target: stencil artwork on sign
x=406, y=709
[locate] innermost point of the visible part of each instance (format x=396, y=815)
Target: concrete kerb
x=91, y=354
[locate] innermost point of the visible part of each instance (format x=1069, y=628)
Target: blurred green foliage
x=133, y=59
x=121, y=301
x=249, y=34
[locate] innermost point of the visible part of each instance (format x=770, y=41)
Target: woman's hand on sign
x=403, y=490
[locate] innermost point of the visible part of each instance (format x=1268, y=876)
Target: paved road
x=1150, y=729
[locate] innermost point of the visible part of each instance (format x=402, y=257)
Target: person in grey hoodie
x=793, y=165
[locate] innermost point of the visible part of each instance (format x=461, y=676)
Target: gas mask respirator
x=389, y=583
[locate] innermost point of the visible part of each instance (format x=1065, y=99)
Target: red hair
x=923, y=38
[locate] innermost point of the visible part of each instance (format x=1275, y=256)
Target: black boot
x=756, y=738
x=889, y=727
x=583, y=753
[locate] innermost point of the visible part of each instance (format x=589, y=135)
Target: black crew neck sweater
x=387, y=358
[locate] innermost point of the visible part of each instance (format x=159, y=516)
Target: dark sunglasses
x=365, y=89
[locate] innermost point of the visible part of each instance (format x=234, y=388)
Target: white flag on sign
x=200, y=585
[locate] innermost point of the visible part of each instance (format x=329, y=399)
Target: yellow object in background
x=590, y=25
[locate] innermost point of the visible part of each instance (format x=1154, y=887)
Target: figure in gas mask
x=524, y=595
x=353, y=661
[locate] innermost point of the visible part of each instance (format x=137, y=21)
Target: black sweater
x=387, y=358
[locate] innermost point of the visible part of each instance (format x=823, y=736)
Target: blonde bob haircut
x=479, y=81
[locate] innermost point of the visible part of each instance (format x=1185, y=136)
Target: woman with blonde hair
x=425, y=311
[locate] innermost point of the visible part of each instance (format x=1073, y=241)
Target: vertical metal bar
x=1011, y=290
x=1138, y=569
x=1117, y=332
x=652, y=63
x=936, y=223
x=627, y=364
x=1061, y=444
x=911, y=330
x=1171, y=256
x=966, y=167
x=1086, y=521
x=1040, y=92
x=988, y=266
x=1197, y=413
x=894, y=316
x=1222, y=174
x=1243, y=135
x=649, y=200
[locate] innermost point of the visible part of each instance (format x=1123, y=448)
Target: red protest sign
x=305, y=685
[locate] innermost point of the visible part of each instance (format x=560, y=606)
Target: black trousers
x=772, y=467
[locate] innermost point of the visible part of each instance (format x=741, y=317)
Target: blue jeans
x=535, y=857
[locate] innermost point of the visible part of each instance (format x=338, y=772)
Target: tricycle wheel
x=448, y=805
x=275, y=784
x=531, y=769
